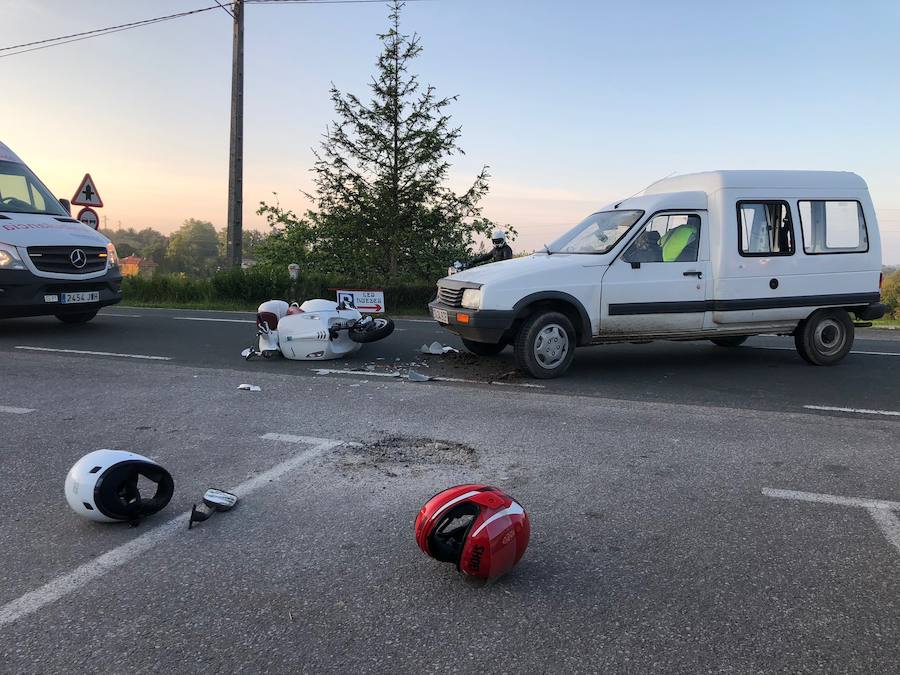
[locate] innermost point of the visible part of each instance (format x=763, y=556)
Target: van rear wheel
x=825, y=337
x=545, y=345
x=732, y=341
x=78, y=317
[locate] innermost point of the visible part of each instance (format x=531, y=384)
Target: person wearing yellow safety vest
x=680, y=243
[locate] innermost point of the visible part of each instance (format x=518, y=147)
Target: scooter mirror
x=219, y=500
x=213, y=500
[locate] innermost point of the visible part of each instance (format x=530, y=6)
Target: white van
x=713, y=256
x=49, y=262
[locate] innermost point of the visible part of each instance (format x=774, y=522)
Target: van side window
x=668, y=237
x=765, y=228
x=833, y=227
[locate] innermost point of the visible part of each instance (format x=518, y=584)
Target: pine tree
x=383, y=212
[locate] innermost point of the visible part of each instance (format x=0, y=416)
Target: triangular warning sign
x=87, y=194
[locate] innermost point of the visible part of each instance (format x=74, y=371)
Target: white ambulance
x=50, y=264
x=713, y=256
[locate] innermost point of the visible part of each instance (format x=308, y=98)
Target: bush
x=247, y=288
x=890, y=294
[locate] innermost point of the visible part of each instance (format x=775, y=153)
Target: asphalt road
x=765, y=373
x=658, y=543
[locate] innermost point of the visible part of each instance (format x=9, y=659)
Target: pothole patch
x=396, y=455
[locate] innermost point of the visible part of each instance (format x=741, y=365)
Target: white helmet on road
x=103, y=486
x=498, y=237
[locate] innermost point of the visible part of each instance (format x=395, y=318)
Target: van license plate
x=440, y=315
x=75, y=298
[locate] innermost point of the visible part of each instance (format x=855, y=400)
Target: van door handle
x=693, y=273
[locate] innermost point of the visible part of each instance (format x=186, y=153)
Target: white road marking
x=881, y=511
x=364, y=373
x=290, y=438
x=860, y=411
x=15, y=411
x=84, y=574
x=433, y=378
x=888, y=524
x=203, y=318
x=831, y=499
x=123, y=316
x=83, y=351
x=792, y=349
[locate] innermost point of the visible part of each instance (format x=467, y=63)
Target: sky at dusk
x=572, y=103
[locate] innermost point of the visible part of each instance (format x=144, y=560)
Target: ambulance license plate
x=75, y=298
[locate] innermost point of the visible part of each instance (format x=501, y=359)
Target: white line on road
x=123, y=316
x=433, y=378
x=831, y=499
x=84, y=574
x=82, y=351
x=365, y=373
x=882, y=511
x=860, y=411
x=15, y=411
x=888, y=524
x=203, y=318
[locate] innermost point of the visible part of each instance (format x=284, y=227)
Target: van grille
x=59, y=259
x=450, y=296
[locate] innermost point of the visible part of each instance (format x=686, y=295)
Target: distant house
x=134, y=265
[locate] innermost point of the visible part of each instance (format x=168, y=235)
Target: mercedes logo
x=78, y=258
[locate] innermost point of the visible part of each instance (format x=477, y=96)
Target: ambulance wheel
x=825, y=337
x=545, y=345
x=484, y=348
x=732, y=341
x=372, y=331
x=80, y=317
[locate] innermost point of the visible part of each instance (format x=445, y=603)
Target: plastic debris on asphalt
x=437, y=348
x=249, y=387
x=413, y=376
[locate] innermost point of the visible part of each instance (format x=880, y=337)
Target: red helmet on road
x=478, y=528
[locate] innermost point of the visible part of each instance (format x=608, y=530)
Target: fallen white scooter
x=317, y=330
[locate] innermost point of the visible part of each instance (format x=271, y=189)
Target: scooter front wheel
x=371, y=331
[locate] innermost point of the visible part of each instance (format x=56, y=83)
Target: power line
x=63, y=39
x=227, y=11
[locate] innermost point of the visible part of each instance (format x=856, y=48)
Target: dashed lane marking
x=15, y=411
x=91, y=353
x=858, y=411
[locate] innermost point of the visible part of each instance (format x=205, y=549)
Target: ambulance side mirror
x=67, y=205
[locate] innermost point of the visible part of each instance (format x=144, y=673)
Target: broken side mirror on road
x=213, y=500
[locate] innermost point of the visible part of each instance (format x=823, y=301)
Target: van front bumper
x=478, y=325
x=24, y=294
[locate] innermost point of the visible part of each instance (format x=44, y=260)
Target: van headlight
x=111, y=256
x=471, y=298
x=9, y=258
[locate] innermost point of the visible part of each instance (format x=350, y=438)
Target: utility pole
x=235, y=236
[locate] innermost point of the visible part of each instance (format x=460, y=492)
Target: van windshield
x=22, y=192
x=597, y=233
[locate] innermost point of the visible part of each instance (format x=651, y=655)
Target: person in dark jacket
x=500, y=251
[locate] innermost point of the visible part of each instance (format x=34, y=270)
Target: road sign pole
x=235, y=234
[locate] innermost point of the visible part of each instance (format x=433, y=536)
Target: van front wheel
x=545, y=345
x=825, y=337
x=484, y=348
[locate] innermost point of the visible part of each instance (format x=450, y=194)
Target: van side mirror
x=67, y=205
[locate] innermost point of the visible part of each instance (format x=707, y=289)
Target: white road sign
x=89, y=217
x=366, y=301
x=87, y=194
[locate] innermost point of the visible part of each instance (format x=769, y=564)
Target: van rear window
x=833, y=227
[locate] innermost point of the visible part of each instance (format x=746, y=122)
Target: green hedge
x=247, y=288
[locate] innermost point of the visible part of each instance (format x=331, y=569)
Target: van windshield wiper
x=547, y=249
